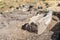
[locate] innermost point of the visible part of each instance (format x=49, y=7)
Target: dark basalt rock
x=24, y=27
x=34, y=27
x=30, y=27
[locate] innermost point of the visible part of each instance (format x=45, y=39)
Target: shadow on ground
x=56, y=30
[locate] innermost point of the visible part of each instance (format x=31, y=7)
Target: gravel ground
x=10, y=27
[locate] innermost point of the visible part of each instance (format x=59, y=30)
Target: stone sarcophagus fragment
x=38, y=23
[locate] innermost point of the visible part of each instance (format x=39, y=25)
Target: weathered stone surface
x=44, y=22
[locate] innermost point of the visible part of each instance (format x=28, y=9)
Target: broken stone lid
x=38, y=23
